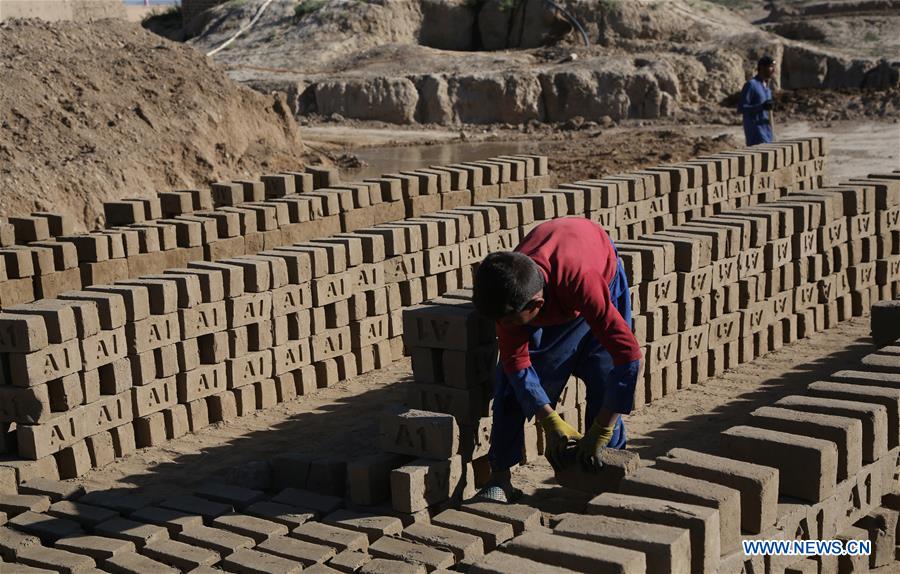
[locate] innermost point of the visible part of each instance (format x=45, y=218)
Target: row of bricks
x=192, y=234
x=647, y=538
x=222, y=518
x=70, y=261
x=712, y=499
x=506, y=223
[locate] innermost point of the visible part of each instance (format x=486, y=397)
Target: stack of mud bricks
x=32, y=264
x=634, y=204
x=42, y=257
x=725, y=289
x=431, y=445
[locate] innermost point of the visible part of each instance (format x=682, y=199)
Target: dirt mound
x=95, y=111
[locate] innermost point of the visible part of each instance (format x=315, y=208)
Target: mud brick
x=215, y=539
x=123, y=440
x=873, y=416
x=807, y=466
x=576, y=554
x=285, y=514
x=881, y=526
x=248, y=309
x=662, y=352
x=369, y=477
x=667, y=548
x=411, y=552
x=50, y=363
x=703, y=522
x=176, y=418
x=656, y=483
x=53, y=560
x=12, y=541
x=659, y=292
x=246, y=561
x=266, y=394
x=44, y=526
x=21, y=261
x=868, y=377
x=28, y=229
x=331, y=343
x=15, y=504
x=419, y=433
x=101, y=450
x=22, y=332
x=389, y=189
x=693, y=342
x=58, y=320
x=617, y=464
x=422, y=483
x=55, y=490
x=245, y=400
x=172, y=520
x=373, y=525
x=179, y=555
x=845, y=432
x=134, y=563
x=889, y=398
x=325, y=534
x=464, y=546
x=466, y=405
x=150, y=430
x=97, y=547
x=154, y=396
x=87, y=515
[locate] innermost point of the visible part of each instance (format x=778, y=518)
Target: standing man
x=756, y=103
x=562, y=306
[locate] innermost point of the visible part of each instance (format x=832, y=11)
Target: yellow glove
x=557, y=432
x=597, y=437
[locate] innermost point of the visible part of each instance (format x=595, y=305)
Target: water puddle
x=390, y=159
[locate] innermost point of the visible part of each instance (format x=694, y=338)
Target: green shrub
x=306, y=7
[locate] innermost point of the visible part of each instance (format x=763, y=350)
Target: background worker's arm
x=753, y=99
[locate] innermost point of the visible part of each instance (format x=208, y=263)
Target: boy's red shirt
x=577, y=260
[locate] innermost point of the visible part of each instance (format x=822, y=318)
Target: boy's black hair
x=504, y=283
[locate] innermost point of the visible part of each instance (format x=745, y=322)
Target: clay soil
x=91, y=112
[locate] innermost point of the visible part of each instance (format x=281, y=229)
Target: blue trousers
x=557, y=352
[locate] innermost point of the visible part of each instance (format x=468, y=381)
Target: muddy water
x=399, y=158
x=856, y=148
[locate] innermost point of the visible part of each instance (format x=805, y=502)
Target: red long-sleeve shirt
x=578, y=261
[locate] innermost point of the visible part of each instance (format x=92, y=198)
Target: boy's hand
x=597, y=437
x=557, y=432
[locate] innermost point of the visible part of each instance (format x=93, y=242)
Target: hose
x=574, y=21
x=241, y=31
